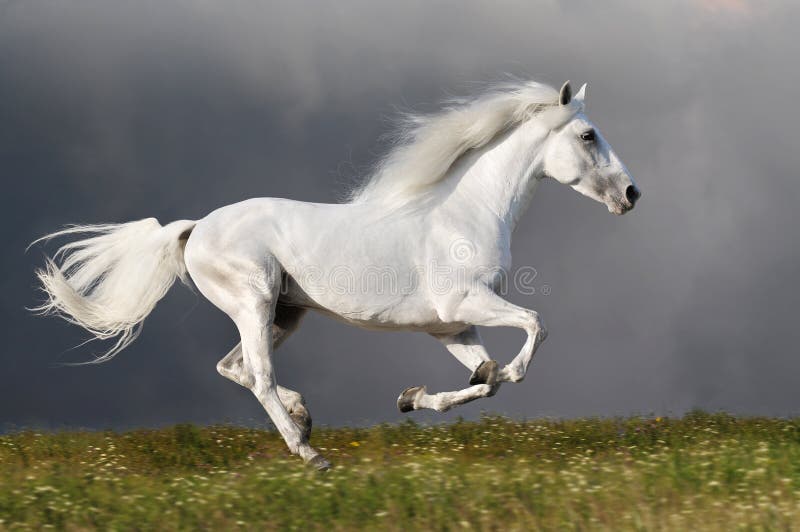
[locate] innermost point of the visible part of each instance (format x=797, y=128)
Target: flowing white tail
x=109, y=282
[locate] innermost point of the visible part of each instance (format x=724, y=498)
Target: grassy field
x=699, y=472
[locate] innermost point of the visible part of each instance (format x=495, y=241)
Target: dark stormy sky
x=114, y=111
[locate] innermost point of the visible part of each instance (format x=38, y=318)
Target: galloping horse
x=449, y=194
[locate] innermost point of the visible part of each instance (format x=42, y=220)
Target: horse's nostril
x=633, y=194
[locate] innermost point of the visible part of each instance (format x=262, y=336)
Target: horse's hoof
x=303, y=421
x=405, y=403
x=319, y=463
x=486, y=373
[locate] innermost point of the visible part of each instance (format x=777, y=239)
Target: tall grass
x=703, y=471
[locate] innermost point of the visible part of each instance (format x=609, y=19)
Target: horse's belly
x=379, y=311
x=385, y=322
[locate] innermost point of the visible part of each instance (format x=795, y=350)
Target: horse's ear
x=565, y=95
x=581, y=95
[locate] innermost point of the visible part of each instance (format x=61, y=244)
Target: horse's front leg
x=481, y=307
x=468, y=348
x=484, y=307
x=418, y=397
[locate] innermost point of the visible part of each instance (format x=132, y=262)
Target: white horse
x=446, y=199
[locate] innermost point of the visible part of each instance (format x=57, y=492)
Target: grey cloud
x=116, y=111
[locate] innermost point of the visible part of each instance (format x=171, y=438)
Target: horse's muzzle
x=632, y=194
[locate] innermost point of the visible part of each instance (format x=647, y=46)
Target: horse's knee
x=536, y=326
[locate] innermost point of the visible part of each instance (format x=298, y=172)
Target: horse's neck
x=498, y=181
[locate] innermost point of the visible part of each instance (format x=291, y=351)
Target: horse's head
x=577, y=155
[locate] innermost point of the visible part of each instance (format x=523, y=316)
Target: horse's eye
x=588, y=136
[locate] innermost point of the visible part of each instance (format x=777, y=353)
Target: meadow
x=700, y=472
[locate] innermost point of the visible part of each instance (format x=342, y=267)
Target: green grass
x=699, y=472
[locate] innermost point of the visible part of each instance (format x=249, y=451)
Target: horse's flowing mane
x=426, y=146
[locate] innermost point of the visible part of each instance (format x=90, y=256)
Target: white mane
x=428, y=145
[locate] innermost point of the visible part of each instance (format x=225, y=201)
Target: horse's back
x=341, y=259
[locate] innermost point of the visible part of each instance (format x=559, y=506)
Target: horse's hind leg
x=255, y=327
x=287, y=319
x=227, y=281
x=232, y=367
x=296, y=406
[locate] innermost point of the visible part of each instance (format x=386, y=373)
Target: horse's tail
x=111, y=280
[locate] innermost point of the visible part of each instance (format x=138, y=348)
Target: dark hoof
x=486, y=373
x=405, y=403
x=319, y=463
x=303, y=421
